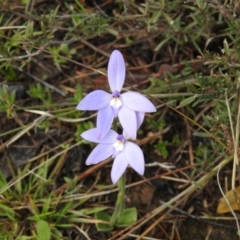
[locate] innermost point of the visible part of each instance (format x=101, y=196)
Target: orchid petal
x=134, y=156
x=140, y=118
x=91, y=136
x=128, y=121
x=137, y=102
x=119, y=166
x=104, y=121
x=116, y=71
x=125, y=135
x=95, y=100
x=99, y=153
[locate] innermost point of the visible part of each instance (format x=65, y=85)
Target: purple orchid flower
x=115, y=145
x=130, y=107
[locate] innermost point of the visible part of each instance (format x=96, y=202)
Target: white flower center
x=118, y=145
x=116, y=102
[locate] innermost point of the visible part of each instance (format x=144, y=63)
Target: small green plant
x=39, y=92
x=162, y=148
x=61, y=53
x=7, y=100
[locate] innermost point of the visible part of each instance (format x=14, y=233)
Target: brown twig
x=84, y=175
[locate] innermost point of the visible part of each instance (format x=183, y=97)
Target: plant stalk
x=120, y=204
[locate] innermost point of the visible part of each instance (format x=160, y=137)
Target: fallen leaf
x=223, y=206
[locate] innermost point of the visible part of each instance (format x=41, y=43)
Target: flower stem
x=120, y=204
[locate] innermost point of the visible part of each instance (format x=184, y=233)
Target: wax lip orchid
x=130, y=107
x=115, y=145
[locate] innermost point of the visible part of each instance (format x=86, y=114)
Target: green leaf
x=6, y=211
x=226, y=47
x=102, y=227
x=186, y=102
x=159, y=46
x=25, y=238
x=29, y=30
x=201, y=134
x=43, y=230
x=56, y=233
x=88, y=211
x=128, y=218
x=43, y=28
